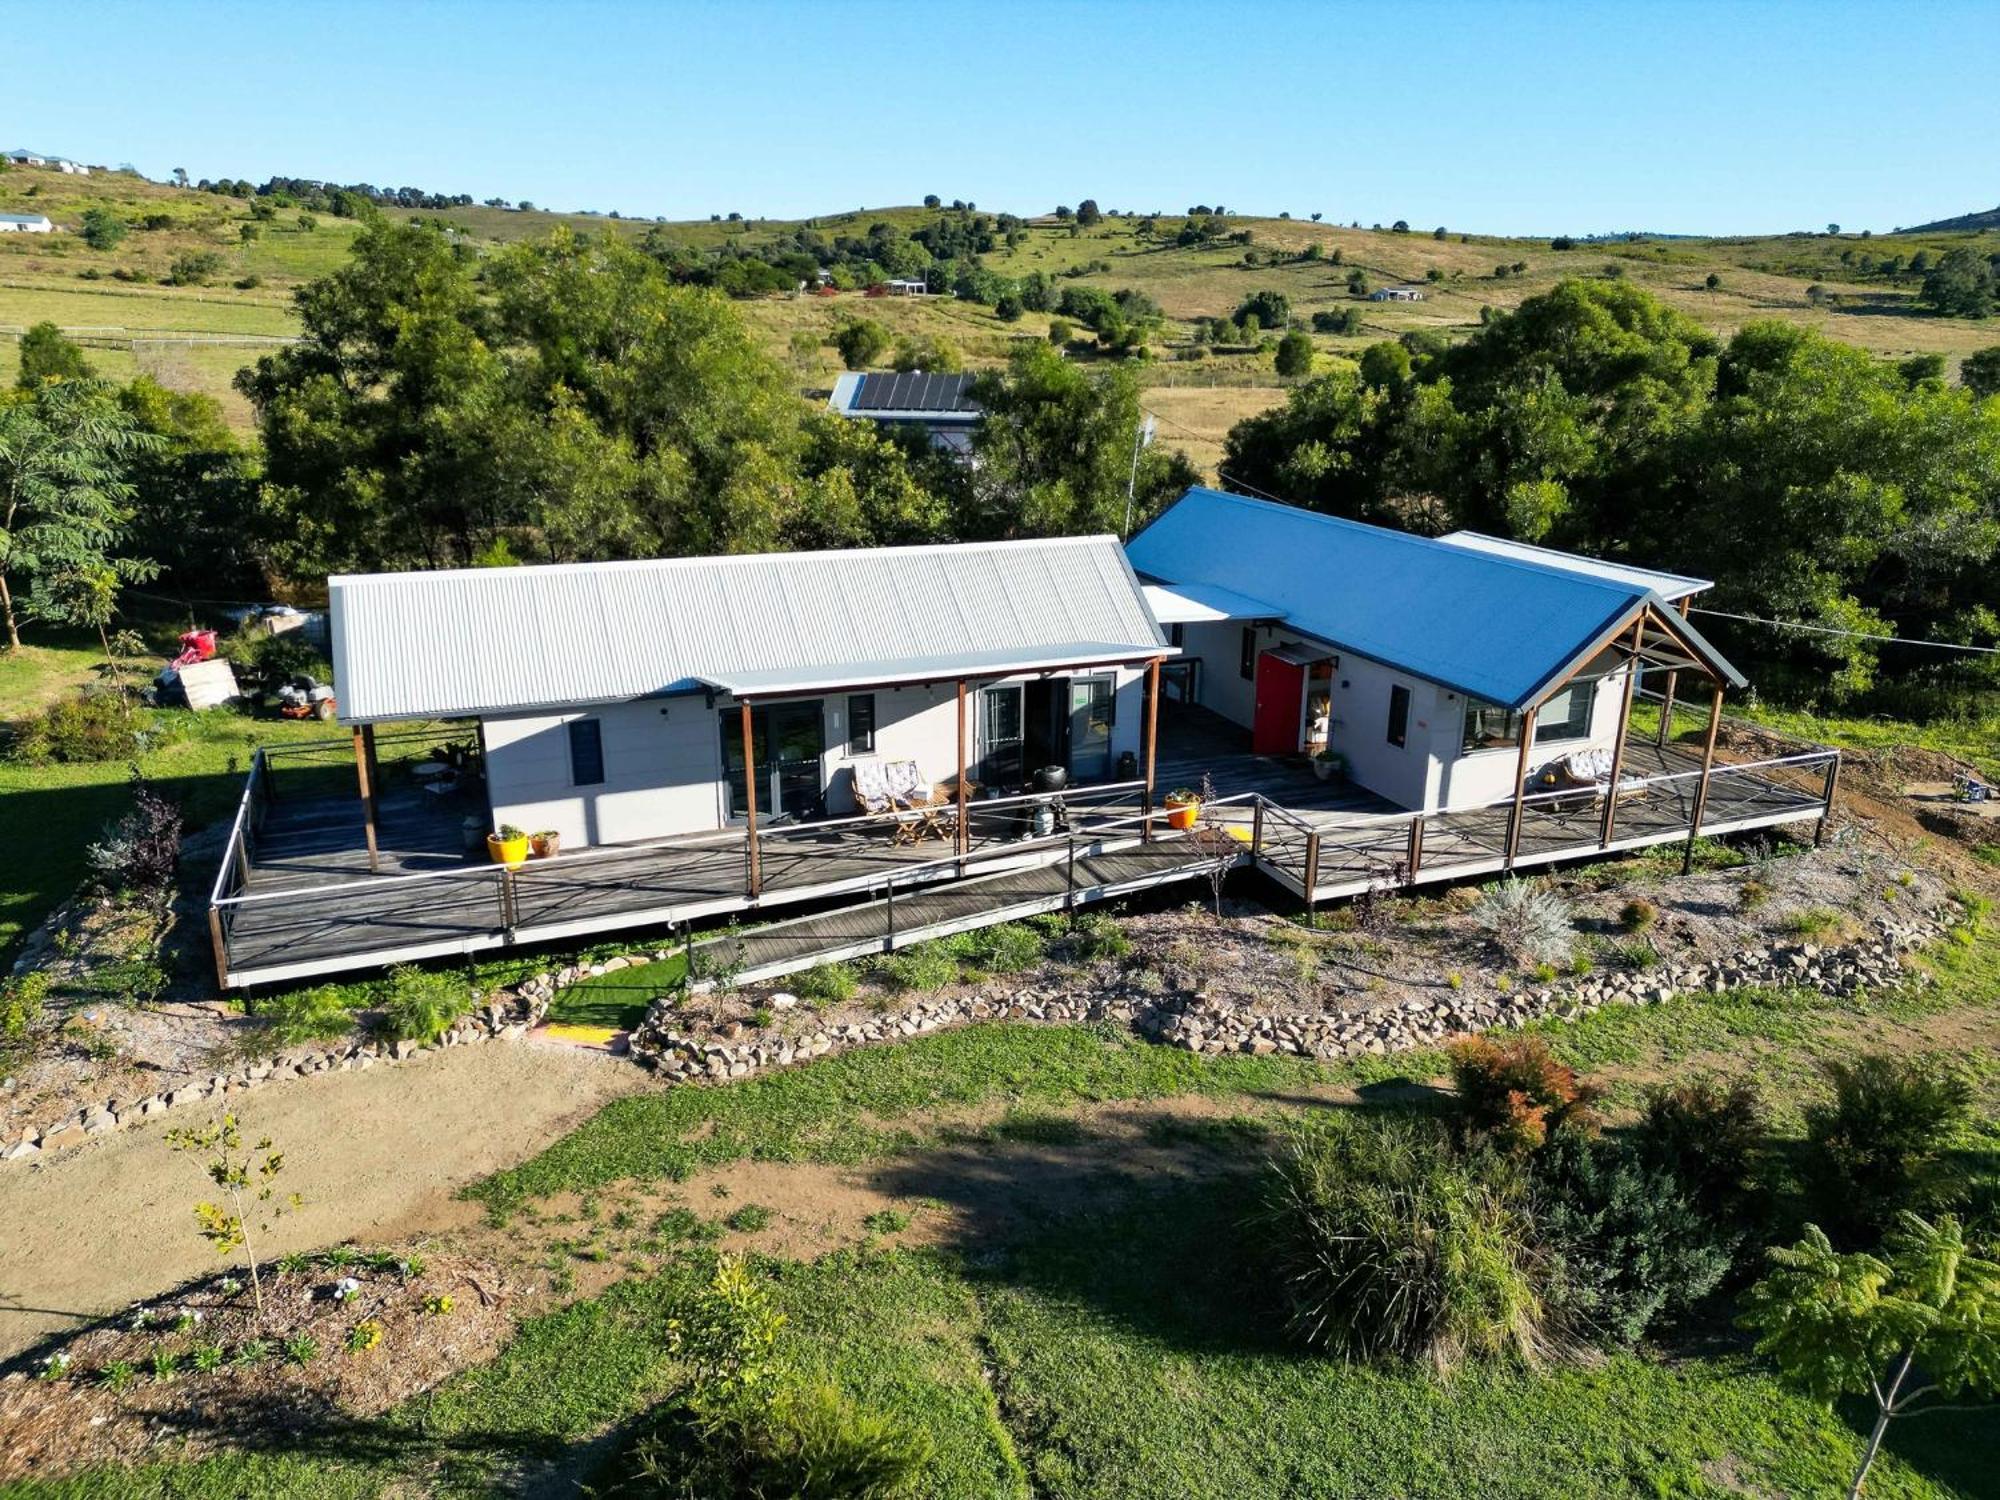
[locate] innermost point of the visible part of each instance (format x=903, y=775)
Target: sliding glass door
x=790, y=741
x=1092, y=705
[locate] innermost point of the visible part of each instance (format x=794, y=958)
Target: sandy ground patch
x=376, y=1155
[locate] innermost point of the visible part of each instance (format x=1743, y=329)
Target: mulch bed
x=119, y=1389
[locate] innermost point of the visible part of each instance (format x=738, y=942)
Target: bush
x=1638, y=914
x=1009, y=948
x=1880, y=1145
x=314, y=1015
x=268, y=661
x=21, y=1002
x=422, y=1004
x=1636, y=1250
x=1710, y=1136
x=87, y=728
x=195, y=268
x=141, y=851
x=1515, y=1095
x=928, y=967
x=1528, y=922
x=1752, y=894
x=1388, y=1242
x=829, y=984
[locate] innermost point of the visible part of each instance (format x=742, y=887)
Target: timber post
x=364, y=753
x=755, y=878
x=1311, y=881
x=1609, y=824
x=1701, y=786
x=1514, y=815
x=1413, y=857
x=1826, y=814
x=964, y=831
x=221, y=947
x=1152, y=746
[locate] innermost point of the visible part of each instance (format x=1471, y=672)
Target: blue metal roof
x=1496, y=627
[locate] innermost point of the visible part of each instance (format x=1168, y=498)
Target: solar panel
x=914, y=391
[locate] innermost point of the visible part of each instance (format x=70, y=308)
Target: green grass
x=619, y=999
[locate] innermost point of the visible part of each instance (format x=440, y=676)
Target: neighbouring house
x=26, y=158
x=908, y=286
x=1396, y=294
x=1445, y=671
x=26, y=224
x=74, y=168
x=614, y=700
x=941, y=405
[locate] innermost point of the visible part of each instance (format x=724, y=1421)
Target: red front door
x=1281, y=694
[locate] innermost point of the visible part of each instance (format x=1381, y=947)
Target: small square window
x=861, y=724
x=1248, y=664
x=586, y=752
x=1399, y=715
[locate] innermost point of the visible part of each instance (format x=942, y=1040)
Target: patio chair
x=925, y=802
x=1586, y=776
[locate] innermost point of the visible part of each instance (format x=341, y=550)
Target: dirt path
x=376, y=1155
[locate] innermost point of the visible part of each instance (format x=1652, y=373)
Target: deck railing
x=603, y=887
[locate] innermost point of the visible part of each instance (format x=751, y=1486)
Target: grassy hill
x=1978, y=223
x=116, y=303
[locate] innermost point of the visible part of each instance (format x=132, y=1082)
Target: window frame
x=1567, y=730
x=595, y=728
x=860, y=705
x=1510, y=733
x=1399, y=715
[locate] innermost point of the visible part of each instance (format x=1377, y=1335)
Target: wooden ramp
x=902, y=917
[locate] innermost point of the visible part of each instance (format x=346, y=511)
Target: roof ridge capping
x=906, y=549
x=1411, y=538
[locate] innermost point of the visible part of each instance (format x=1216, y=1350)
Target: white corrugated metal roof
x=494, y=640
x=1204, y=603
x=1669, y=586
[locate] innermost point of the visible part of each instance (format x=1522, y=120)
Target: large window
x=586, y=752
x=1399, y=715
x=1567, y=715
x=861, y=724
x=1488, y=726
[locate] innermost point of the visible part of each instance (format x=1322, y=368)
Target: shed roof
x=498, y=640
x=1494, y=626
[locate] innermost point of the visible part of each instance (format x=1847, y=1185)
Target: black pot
x=1051, y=778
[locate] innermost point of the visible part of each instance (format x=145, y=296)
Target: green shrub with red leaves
x=1515, y=1095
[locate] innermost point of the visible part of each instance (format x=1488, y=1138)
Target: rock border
x=1200, y=1027
x=507, y=1018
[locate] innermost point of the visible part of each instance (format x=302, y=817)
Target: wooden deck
x=296, y=898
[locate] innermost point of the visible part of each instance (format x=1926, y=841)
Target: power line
x=1855, y=635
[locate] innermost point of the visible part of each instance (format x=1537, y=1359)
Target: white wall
x=1406, y=774
x=1488, y=775
x=662, y=772
x=663, y=759
x=1224, y=688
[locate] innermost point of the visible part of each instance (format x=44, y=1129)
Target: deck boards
x=315, y=908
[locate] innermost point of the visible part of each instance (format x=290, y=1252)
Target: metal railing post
x=1826, y=799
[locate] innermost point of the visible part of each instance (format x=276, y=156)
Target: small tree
x=1854, y=1325
x=248, y=1178
x=47, y=355
x=861, y=342
x=1712, y=281
x=1979, y=373
x=102, y=229
x=1295, y=354
x=1088, y=213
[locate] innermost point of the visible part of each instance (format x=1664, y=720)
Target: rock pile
x=505, y=1018
x=1205, y=1028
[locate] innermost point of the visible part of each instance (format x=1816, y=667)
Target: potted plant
x=507, y=847
x=1330, y=765
x=1183, y=806
x=547, y=844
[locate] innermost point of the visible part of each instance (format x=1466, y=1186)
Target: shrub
x=142, y=850
x=1710, y=1135
x=313, y=1015
x=194, y=268
x=1388, y=1242
x=1097, y=936
x=1636, y=1251
x=87, y=728
x=1638, y=914
x=1009, y=948
x=1515, y=1095
x=1753, y=893
x=750, y=1218
x=927, y=968
x=1879, y=1146
x=21, y=1002
x=1529, y=923
x=422, y=1004
x=1809, y=922
x=829, y=984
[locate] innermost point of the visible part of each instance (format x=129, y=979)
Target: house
x=622, y=703
x=26, y=158
x=907, y=286
x=941, y=405
x=1446, y=671
x=1396, y=294
x=74, y=168
x=26, y=224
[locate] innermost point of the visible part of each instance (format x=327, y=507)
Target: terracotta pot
x=546, y=845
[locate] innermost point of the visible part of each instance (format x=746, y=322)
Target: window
x=861, y=724
x=1489, y=726
x=1248, y=663
x=1399, y=715
x=1177, y=634
x=1567, y=715
x=586, y=752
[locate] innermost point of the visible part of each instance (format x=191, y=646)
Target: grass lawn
x=618, y=999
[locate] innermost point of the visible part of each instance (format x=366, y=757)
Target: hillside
x=1978, y=223
x=196, y=336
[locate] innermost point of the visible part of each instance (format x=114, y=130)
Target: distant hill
x=1963, y=224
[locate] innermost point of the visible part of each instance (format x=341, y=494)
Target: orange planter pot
x=1181, y=815
x=507, y=851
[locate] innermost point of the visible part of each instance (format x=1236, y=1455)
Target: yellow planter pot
x=507, y=851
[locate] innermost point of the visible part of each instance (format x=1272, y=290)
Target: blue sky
x=1494, y=117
